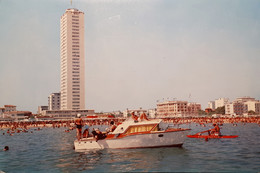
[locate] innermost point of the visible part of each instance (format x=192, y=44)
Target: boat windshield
x=142, y=128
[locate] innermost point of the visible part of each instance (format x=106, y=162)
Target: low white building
x=177, y=109
x=9, y=113
x=152, y=113
x=9, y=108
x=253, y=105
x=66, y=114
x=138, y=112
x=42, y=108
x=229, y=109
x=17, y=115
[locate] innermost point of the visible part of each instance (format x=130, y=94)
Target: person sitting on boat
x=112, y=126
x=143, y=117
x=86, y=132
x=98, y=134
x=79, y=124
x=134, y=117
x=215, y=130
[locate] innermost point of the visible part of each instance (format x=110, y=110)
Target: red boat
x=211, y=136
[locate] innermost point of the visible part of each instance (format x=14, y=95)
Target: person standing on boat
x=134, y=117
x=79, y=124
x=143, y=117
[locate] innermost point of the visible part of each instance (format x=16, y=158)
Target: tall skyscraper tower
x=72, y=60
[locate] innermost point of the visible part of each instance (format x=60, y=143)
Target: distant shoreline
x=91, y=122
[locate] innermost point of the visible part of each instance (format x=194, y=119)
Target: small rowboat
x=212, y=136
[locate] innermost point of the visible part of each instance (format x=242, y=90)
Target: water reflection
x=125, y=159
x=87, y=160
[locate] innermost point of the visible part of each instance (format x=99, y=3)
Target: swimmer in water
x=6, y=148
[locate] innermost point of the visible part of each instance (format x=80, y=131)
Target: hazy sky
x=137, y=51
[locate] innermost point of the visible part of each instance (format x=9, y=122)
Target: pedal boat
x=152, y=133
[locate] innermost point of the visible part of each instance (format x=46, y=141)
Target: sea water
x=51, y=150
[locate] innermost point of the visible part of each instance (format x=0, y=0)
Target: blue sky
x=137, y=51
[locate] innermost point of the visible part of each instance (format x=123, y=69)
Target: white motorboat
x=132, y=134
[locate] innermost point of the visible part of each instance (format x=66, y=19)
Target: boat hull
x=150, y=140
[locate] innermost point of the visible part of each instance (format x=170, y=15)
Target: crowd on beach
x=9, y=128
x=19, y=127
x=207, y=120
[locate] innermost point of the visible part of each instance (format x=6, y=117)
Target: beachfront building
x=138, y=112
x=221, y=102
x=172, y=109
x=54, y=101
x=211, y=105
x=193, y=109
x=253, y=106
x=72, y=60
x=177, y=109
x=6, y=108
x=9, y=113
x=41, y=109
x=17, y=115
x=152, y=113
x=245, y=99
x=229, y=109
x=66, y=114
x=9, y=108
x=239, y=108
x=242, y=106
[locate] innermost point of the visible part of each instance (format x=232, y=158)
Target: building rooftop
x=9, y=106
x=18, y=112
x=73, y=10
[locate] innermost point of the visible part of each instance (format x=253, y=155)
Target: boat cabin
x=141, y=127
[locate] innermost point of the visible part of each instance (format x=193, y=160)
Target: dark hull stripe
x=159, y=146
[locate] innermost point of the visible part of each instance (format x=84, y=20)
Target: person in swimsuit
x=215, y=130
x=79, y=124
